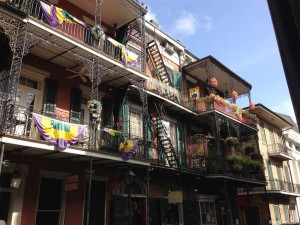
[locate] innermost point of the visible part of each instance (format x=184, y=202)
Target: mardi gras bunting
x=55, y=16
x=60, y=133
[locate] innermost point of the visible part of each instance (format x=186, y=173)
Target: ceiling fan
x=81, y=73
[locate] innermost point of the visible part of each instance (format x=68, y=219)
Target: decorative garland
x=239, y=112
x=95, y=106
x=98, y=33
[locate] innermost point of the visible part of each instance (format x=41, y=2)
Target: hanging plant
x=234, y=95
x=232, y=141
x=252, y=106
x=214, y=82
x=98, y=33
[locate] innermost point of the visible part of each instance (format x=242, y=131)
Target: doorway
x=4, y=205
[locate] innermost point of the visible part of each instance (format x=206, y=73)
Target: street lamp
x=129, y=178
x=16, y=178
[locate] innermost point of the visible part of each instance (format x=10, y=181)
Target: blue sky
x=239, y=33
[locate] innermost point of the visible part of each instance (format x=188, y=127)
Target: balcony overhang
x=281, y=156
x=113, y=12
x=62, y=54
x=240, y=182
x=41, y=149
x=282, y=193
x=199, y=70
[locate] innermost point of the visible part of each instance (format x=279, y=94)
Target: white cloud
x=187, y=24
x=150, y=15
x=285, y=107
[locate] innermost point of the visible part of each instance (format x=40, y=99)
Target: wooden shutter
x=288, y=179
x=75, y=105
x=270, y=173
x=50, y=98
x=125, y=120
x=277, y=215
x=280, y=177
x=177, y=80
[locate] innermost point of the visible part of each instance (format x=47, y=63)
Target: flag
x=60, y=133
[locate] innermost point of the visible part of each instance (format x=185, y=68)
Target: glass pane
x=22, y=80
x=32, y=84
x=50, y=194
x=30, y=99
x=47, y=218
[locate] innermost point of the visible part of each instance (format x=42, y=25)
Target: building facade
x=106, y=119
x=282, y=185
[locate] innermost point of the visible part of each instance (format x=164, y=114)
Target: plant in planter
x=235, y=163
x=231, y=141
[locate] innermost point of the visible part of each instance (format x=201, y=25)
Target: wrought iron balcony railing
x=280, y=185
x=277, y=148
x=164, y=90
x=215, y=102
x=81, y=33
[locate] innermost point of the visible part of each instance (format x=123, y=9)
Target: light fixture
x=16, y=178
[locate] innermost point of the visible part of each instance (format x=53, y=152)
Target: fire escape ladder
x=158, y=62
x=165, y=141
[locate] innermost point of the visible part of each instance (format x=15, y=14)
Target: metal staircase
x=158, y=62
x=165, y=141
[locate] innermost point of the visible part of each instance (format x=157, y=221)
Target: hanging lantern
x=252, y=106
x=234, y=95
x=214, y=82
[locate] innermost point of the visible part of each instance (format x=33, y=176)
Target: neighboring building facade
x=114, y=122
x=283, y=187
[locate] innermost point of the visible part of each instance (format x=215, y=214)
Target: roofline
x=270, y=111
x=213, y=59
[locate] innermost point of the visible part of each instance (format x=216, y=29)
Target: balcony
x=279, y=186
x=84, y=33
x=278, y=151
x=23, y=128
x=163, y=89
x=215, y=102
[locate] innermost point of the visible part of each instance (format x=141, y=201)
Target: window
x=49, y=211
x=28, y=82
x=208, y=215
x=263, y=133
x=136, y=129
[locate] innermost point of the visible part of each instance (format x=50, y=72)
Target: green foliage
x=231, y=141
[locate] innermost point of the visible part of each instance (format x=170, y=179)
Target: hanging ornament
x=234, y=95
x=214, y=82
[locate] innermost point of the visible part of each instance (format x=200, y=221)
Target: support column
x=21, y=47
x=88, y=198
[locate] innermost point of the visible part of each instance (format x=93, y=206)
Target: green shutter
x=150, y=136
x=288, y=179
x=270, y=173
x=177, y=80
x=50, y=98
x=286, y=213
x=277, y=215
x=125, y=121
x=75, y=105
x=280, y=178
x=180, y=143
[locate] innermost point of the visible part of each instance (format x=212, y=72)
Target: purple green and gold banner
x=55, y=16
x=60, y=133
x=127, y=147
